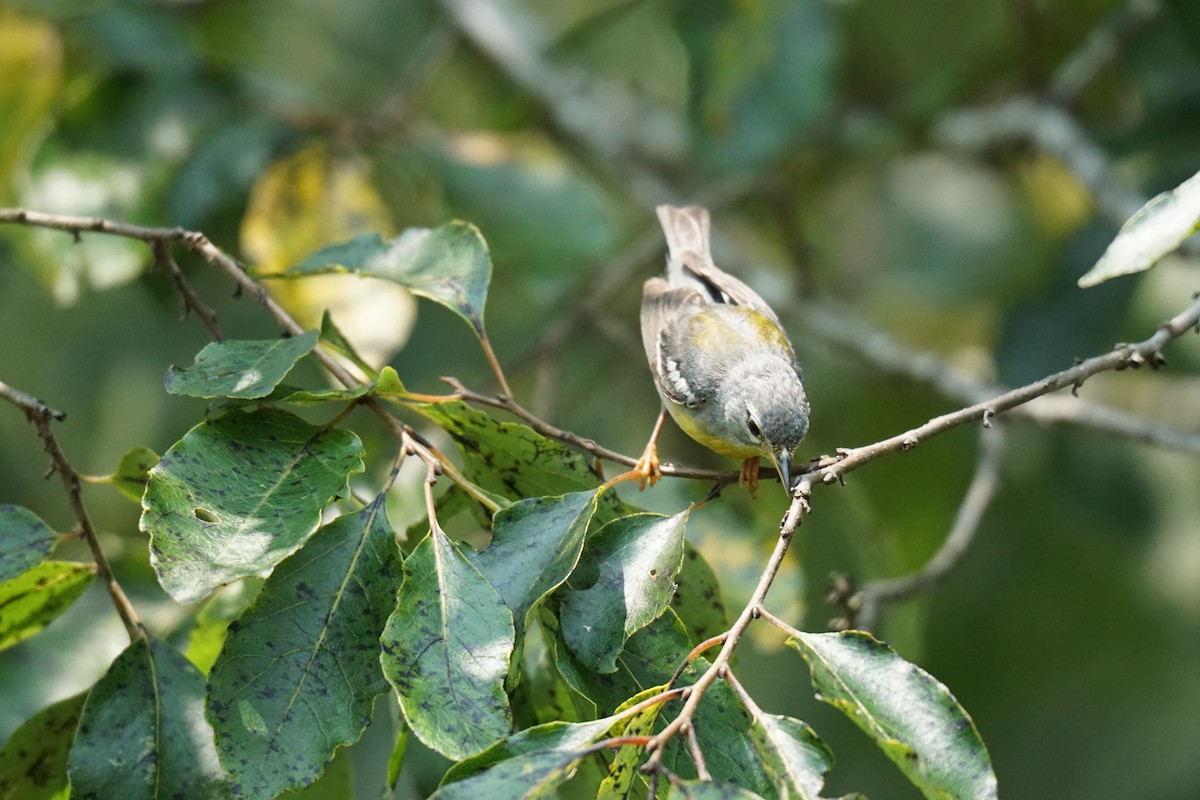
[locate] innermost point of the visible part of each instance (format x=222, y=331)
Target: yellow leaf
x=30, y=77
x=304, y=202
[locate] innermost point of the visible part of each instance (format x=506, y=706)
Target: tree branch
x=1122, y=357
x=42, y=417
x=871, y=345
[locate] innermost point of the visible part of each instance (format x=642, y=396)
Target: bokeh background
x=937, y=173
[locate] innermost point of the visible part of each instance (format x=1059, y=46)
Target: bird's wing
x=665, y=314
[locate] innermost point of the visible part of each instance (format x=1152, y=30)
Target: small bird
x=721, y=361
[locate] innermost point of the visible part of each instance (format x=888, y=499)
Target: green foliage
x=155, y=698
x=459, y=603
x=297, y=673
x=243, y=370
x=25, y=541
x=449, y=265
x=238, y=494
x=916, y=720
x=31, y=600
x=33, y=765
x=447, y=649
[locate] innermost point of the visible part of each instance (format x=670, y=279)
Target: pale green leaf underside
x=1154, y=231
x=910, y=715
x=449, y=265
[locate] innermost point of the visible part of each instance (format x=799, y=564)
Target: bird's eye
x=752, y=426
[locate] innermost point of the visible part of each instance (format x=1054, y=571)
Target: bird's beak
x=783, y=465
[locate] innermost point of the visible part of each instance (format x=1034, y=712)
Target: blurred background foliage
x=819, y=133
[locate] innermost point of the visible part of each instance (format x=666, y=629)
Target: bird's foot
x=749, y=475
x=646, y=470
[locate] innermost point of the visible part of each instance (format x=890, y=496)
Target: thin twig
x=873, y=346
x=1122, y=357
x=199, y=243
x=43, y=417
x=697, y=690
x=191, y=301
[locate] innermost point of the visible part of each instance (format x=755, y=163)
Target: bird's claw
x=749, y=475
x=646, y=471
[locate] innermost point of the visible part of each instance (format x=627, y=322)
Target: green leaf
x=245, y=369
x=909, y=714
x=299, y=671
x=33, y=764
x=709, y=790
x=649, y=658
x=387, y=382
x=142, y=733
x=449, y=265
x=697, y=598
x=446, y=651
x=335, y=783
x=238, y=494
x=25, y=540
x=395, y=761
x=529, y=764
x=792, y=754
x=638, y=558
x=213, y=616
x=511, y=459
x=622, y=772
x=133, y=470
x=1153, y=232
x=33, y=599
x=535, y=545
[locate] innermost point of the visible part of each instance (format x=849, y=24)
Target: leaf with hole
x=636, y=558
x=238, y=494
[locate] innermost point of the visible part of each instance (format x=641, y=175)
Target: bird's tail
x=686, y=230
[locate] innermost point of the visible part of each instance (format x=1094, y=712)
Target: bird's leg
x=646, y=470
x=749, y=476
